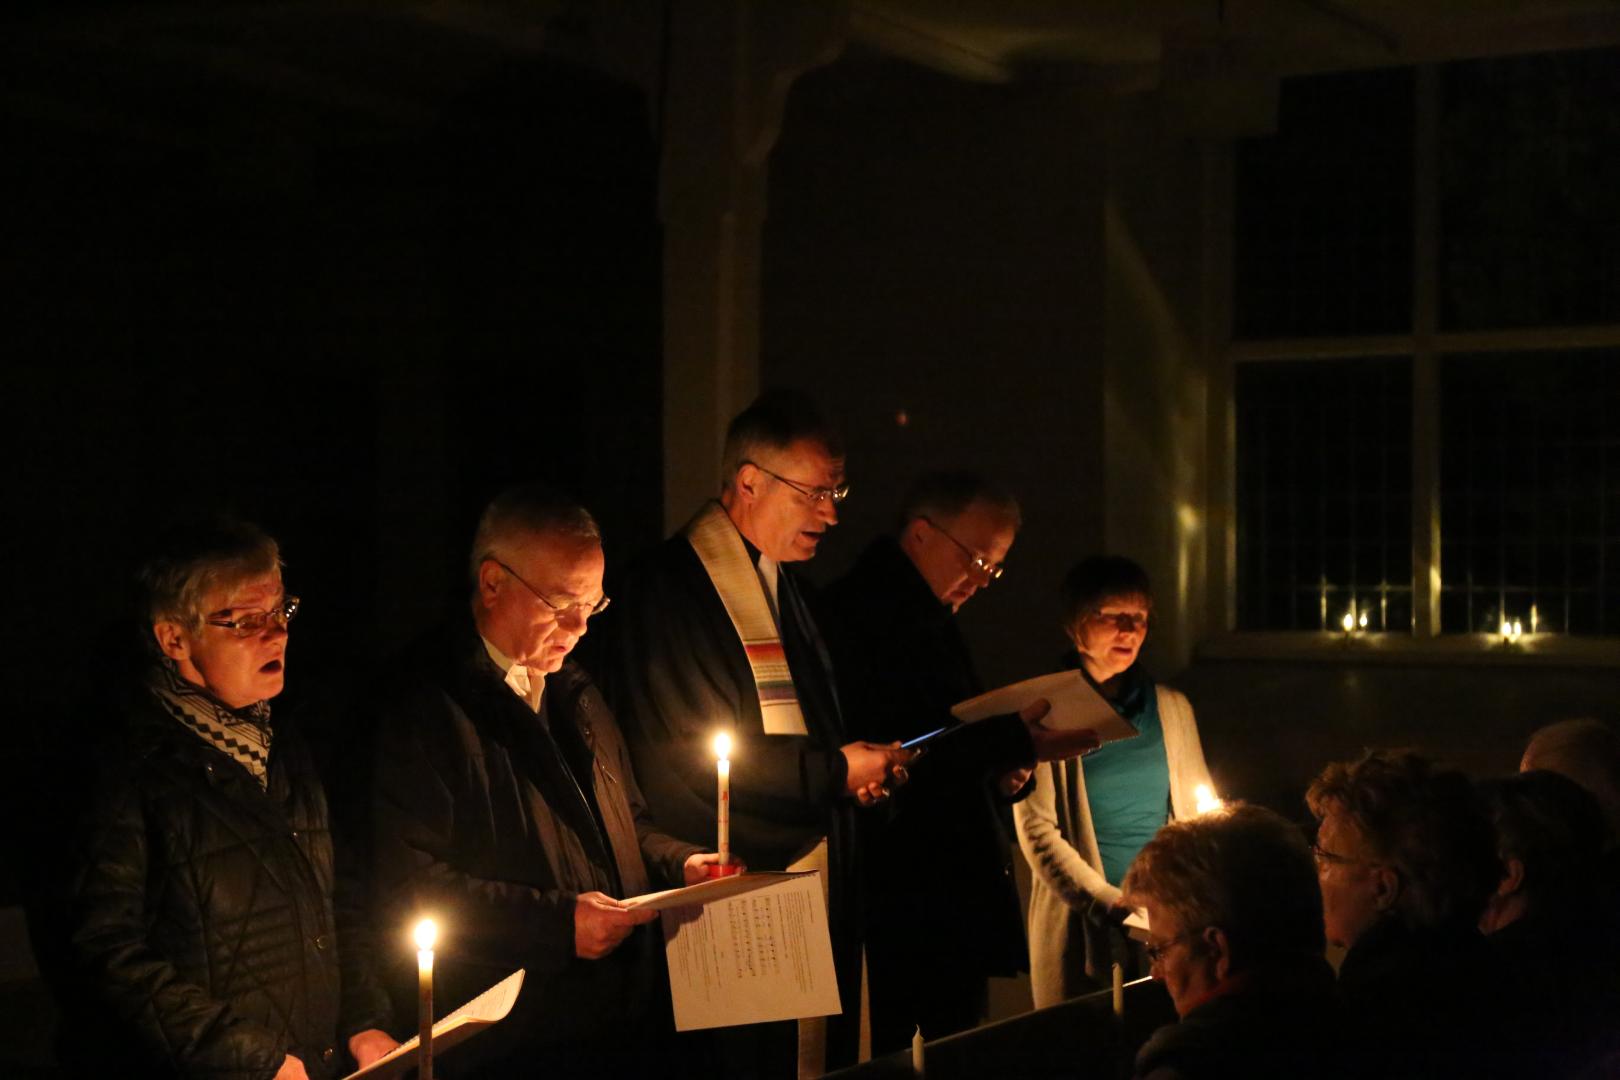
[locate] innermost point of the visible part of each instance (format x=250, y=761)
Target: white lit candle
x=1205, y=799
x=426, y=935
x=722, y=751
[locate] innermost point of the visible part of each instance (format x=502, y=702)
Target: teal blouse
x=1128, y=782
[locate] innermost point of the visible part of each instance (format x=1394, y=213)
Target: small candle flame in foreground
x=427, y=933
x=722, y=746
x=1205, y=799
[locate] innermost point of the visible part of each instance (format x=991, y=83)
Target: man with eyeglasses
x=902, y=663
x=716, y=634
x=505, y=806
x=205, y=937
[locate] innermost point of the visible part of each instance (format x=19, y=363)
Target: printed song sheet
x=487, y=1008
x=1074, y=705
x=751, y=948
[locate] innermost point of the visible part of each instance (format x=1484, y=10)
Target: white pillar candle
x=722, y=750
x=426, y=936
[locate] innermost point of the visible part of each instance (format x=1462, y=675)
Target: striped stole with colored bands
x=720, y=549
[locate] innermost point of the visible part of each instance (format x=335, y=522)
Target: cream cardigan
x=1069, y=897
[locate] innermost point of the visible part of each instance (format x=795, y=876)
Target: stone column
x=729, y=65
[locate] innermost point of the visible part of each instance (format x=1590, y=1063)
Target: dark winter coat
x=1270, y=1024
x=494, y=819
x=939, y=864
x=203, y=936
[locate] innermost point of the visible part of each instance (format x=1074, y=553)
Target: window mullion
x=1425, y=360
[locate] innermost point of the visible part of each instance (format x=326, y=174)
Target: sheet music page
x=485, y=1009
x=1075, y=704
x=707, y=891
x=764, y=954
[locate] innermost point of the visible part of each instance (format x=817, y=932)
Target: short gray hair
x=1244, y=869
x=940, y=496
x=195, y=559
x=527, y=509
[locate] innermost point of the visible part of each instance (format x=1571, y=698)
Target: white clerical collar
x=526, y=683
x=767, y=569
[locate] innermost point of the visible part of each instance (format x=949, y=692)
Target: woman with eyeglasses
x=203, y=932
x=1088, y=817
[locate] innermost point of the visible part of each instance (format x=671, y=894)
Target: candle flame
x=1348, y=622
x=427, y=932
x=722, y=746
x=1205, y=800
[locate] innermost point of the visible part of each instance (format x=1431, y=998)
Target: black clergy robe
x=676, y=674
x=938, y=862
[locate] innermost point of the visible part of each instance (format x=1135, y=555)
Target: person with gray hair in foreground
x=1236, y=938
x=205, y=940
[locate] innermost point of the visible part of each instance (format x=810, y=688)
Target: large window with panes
x=1426, y=352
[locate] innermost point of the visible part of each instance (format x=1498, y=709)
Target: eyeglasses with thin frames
x=253, y=623
x=977, y=563
x=1326, y=858
x=814, y=494
x=1156, y=950
x=585, y=610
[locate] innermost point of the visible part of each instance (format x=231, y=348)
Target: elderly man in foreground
x=505, y=806
x=1236, y=937
x=204, y=937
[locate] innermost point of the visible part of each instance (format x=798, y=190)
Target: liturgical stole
x=720, y=549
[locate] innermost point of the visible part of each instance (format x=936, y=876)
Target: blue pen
x=919, y=740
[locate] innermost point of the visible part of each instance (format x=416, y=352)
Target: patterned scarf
x=243, y=734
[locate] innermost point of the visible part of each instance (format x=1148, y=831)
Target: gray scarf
x=243, y=734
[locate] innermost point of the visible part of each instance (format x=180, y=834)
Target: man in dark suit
x=505, y=806
x=942, y=911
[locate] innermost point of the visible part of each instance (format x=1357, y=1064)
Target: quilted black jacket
x=204, y=942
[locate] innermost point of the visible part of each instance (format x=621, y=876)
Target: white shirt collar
x=526, y=683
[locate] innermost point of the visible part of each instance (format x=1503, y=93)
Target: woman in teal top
x=1087, y=818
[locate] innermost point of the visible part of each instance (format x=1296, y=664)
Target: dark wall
x=1269, y=727
x=337, y=268
x=933, y=250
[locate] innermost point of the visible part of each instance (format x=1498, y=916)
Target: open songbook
x=746, y=949
x=1075, y=704
x=487, y=1008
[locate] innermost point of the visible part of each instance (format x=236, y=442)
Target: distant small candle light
x=902, y=418
x=1348, y=622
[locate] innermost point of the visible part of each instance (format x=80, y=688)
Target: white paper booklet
x=487, y=1008
x=747, y=949
x=1074, y=705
